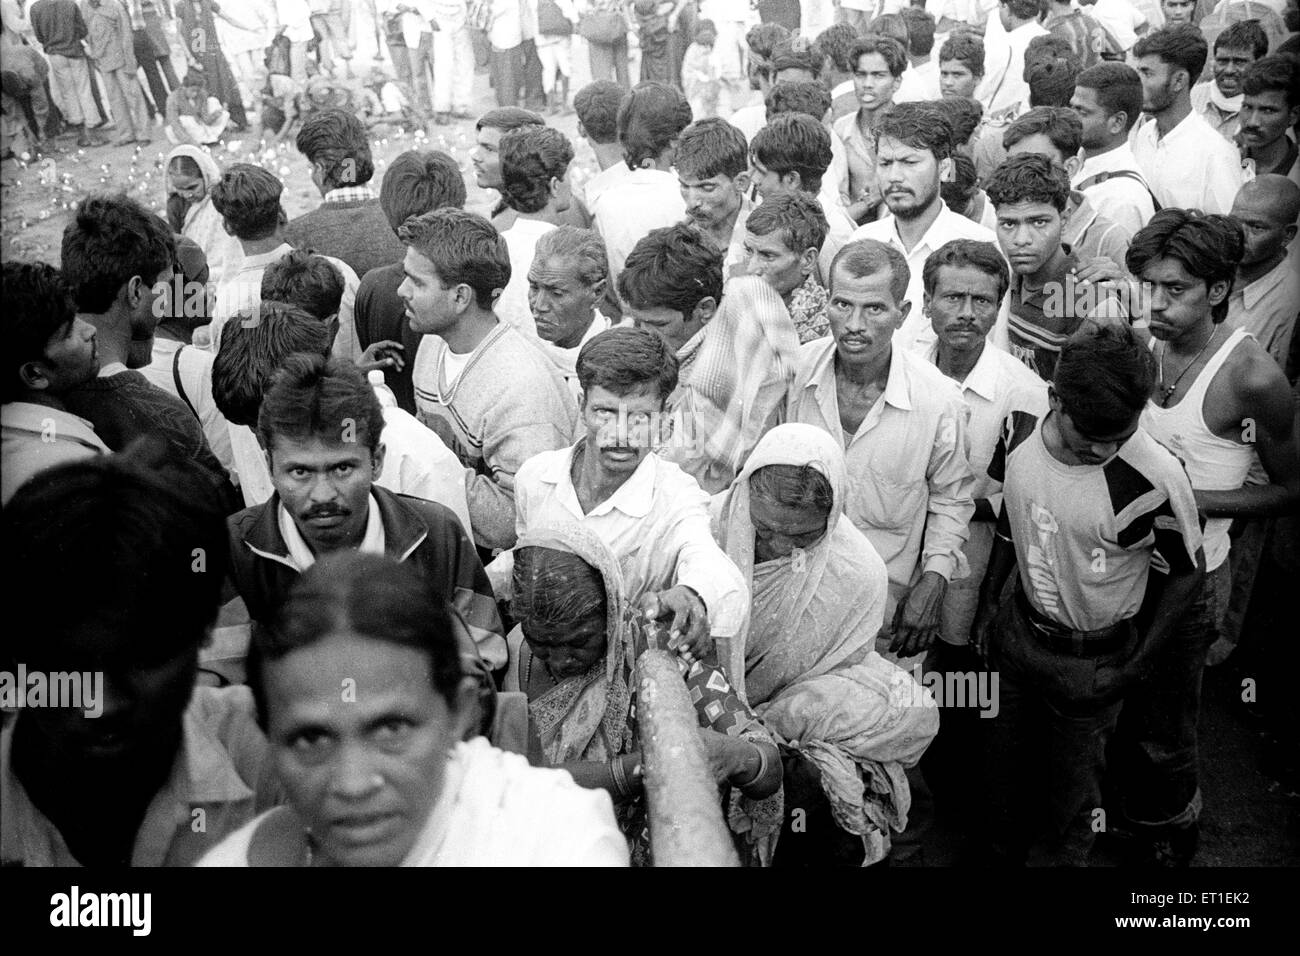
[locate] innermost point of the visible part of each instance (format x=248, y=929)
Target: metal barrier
x=686, y=824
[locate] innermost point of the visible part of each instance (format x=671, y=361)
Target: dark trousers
x=506, y=67
x=1045, y=750
x=155, y=69
x=534, y=95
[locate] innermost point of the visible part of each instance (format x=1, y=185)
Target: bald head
x=1268, y=207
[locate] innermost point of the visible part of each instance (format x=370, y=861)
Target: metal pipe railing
x=685, y=813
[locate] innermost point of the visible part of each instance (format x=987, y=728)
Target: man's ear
x=377, y=461
x=792, y=180
x=1289, y=233
x=808, y=261
x=598, y=289
x=1217, y=292
x=947, y=170
x=1072, y=165
x=902, y=314
x=1053, y=400
x=742, y=182
x=134, y=292
x=704, y=310
x=225, y=224
x=33, y=376
x=1116, y=123
x=465, y=296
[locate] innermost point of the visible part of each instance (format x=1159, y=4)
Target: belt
x=1066, y=640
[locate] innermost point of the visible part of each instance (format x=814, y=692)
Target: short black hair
x=417, y=182
x=37, y=306
x=712, y=147
x=110, y=240
x=866, y=257
x=308, y=281
x=794, y=143
x=142, y=535
x=675, y=267
x=625, y=360
x=1060, y=124
x=1104, y=377
x=464, y=248
x=530, y=159
x=1243, y=35
x=960, y=253
x=1181, y=46
x=338, y=141
x=835, y=42
x=650, y=118
x=1117, y=87
x=314, y=396
x=253, y=350
x=965, y=48
x=1209, y=247
x=763, y=39
x=799, y=96
x=798, y=217
x=1022, y=9
x=788, y=56
x=507, y=118
x=921, y=125
x=1273, y=74
x=920, y=29
x=958, y=191
x=965, y=116
x=1029, y=177
x=597, y=107
x=1051, y=78
x=248, y=198
x=893, y=53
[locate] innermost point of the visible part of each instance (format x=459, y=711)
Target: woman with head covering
x=574, y=655
x=191, y=174
x=367, y=709
x=844, y=715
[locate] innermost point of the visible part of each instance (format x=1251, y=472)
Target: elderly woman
x=367, y=708
x=574, y=655
x=849, y=721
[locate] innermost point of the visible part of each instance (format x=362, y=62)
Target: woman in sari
x=848, y=721
x=191, y=174
x=574, y=655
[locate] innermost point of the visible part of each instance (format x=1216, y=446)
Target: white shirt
x=1004, y=64
x=915, y=332
x=627, y=211
x=595, y=187
x=1267, y=308
x=657, y=495
x=1121, y=199
x=1121, y=17
x=506, y=30
x=749, y=119
x=300, y=553
x=512, y=305
x=296, y=16
x=566, y=360
x=920, y=82
x=840, y=232
x=1191, y=167
x=196, y=379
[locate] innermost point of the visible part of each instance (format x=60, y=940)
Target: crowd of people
x=937, y=414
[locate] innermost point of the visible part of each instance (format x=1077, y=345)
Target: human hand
x=688, y=630
x=982, y=629
x=727, y=755
x=383, y=355
x=917, y=619
x=1099, y=269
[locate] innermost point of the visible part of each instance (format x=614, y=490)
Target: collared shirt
x=566, y=360
x=1121, y=199
x=656, y=523
x=734, y=259
x=840, y=231
x=860, y=154
x=350, y=194
x=919, y=82
x=1224, y=121
x=808, y=311
x=1122, y=18
x=916, y=333
x=1004, y=83
x=521, y=242
x=595, y=187
x=1291, y=170
x=844, y=100
x=35, y=438
x=220, y=769
x=1268, y=308
x=628, y=210
x=909, y=478
x=300, y=553
x=1191, y=167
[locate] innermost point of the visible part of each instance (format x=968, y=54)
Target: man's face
x=863, y=315
x=1264, y=118
x=676, y=328
x=430, y=305
x=1093, y=116
x=1229, y=64
x=780, y=267
x=1038, y=144
x=956, y=80
x=1082, y=443
x=769, y=183
x=486, y=159
x=563, y=306
x=325, y=487
x=621, y=429
x=1179, y=302
x=963, y=307
x=1029, y=234
x=1157, y=77
x=710, y=202
x=1177, y=11
x=873, y=83
x=71, y=358
x=780, y=528
x=364, y=770
x=1267, y=231
x=908, y=176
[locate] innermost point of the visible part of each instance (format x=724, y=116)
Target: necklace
x=1167, y=391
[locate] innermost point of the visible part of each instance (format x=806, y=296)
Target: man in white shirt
x=1219, y=99
x=566, y=281
x=913, y=143
x=834, y=43
x=597, y=107
x=293, y=21
x=1186, y=163
x=921, y=79
x=813, y=100
x=1122, y=18
x=903, y=425
x=1004, y=58
x=534, y=163
x=650, y=120
x=1270, y=111
x=1108, y=100
x=650, y=513
x=713, y=172
x=878, y=65
x=505, y=34
x=1265, y=298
